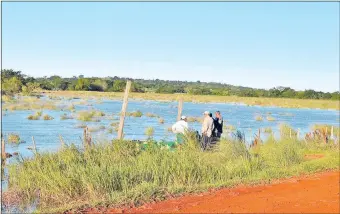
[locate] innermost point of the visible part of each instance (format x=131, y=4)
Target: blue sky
x=260, y=45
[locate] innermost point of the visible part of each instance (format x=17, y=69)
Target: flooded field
x=66, y=121
x=52, y=119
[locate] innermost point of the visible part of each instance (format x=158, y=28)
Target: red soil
x=318, y=193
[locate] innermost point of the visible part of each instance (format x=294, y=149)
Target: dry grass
x=270, y=118
x=13, y=138
x=281, y=102
x=258, y=118
x=47, y=117
x=151, y=115
x=134, y=114
x=161, y=120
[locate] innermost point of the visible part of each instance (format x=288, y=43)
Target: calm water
x=46, y=132
x=242, y=117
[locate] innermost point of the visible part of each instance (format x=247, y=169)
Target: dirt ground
x=318, y=193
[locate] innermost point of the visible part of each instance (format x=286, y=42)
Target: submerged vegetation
x=134, y=114
x=121, y=172
x=91, y=115
x=13, y=138
x=47, y=117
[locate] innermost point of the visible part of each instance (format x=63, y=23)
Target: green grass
x=287, y=131
x=149, y=131
x=327, y=129
x=120, y=172
x=267, y=130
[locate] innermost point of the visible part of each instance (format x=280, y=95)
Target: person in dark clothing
x=218, y=124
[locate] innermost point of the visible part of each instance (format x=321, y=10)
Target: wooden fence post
x=259, y=134
x=290, y=133
x=3, y=151
x=124, y=107
x=332, y=132
x=298, y=133
x=180, y=108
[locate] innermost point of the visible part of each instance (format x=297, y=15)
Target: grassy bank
x=280, y=102
x=120, y=173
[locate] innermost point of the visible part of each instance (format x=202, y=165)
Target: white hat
x=183, y=117
x=206, y=112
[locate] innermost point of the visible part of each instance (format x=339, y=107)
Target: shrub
x=47, y=117
x=161, y=120
x=13, y=138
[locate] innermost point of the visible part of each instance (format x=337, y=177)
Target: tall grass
x=327, y=129
x=121, y=172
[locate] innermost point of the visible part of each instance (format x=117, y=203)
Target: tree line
x=13, y=82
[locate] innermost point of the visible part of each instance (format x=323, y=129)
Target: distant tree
x=82, y=84
x=11, y=86
x=30, y=87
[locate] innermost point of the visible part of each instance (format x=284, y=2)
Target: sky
x=261, y=45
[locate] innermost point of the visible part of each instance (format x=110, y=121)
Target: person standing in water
x=218, y=123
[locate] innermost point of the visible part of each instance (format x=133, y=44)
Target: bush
x=47, y=117
x=13, y=138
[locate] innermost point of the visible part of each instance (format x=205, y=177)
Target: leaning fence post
x=298, y=133
x=290, y=133
x=124, y=107
x=180, y=108
x=332, y=133
x=3, y=151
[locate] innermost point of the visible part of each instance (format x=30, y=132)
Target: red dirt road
x=317, y=193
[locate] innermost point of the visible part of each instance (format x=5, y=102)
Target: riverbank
x=120, y=174
x=259, y=101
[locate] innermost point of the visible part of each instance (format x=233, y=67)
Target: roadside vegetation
x=124, y=172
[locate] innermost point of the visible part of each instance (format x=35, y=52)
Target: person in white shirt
x=179, y=128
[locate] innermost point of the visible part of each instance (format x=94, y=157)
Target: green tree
x=82, y=84
x=30, y=87
x=11, y=86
